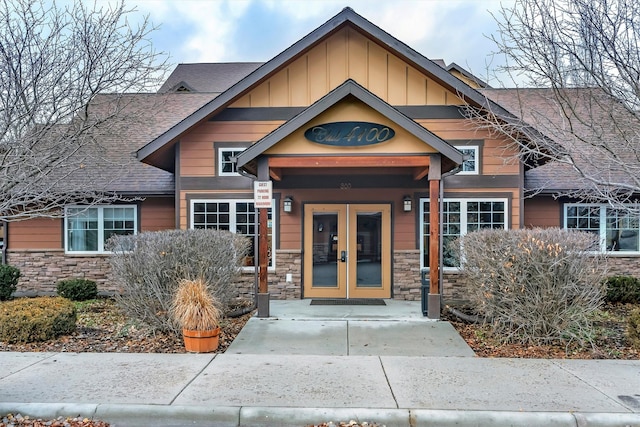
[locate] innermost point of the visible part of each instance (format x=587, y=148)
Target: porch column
x=262, y=299
x=433, y=303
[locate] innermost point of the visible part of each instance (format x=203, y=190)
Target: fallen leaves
x=103, y=328
x=10, y=420
x=609, y=342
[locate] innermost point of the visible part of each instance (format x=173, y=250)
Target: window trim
x=219, y=155
x=476, y=149
x=463, y=220
x=101, y=241
x=232, y=217
x=602, y=227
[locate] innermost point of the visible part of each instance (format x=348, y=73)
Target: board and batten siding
x=347, y=54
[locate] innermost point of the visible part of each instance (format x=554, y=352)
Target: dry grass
x=194, y=307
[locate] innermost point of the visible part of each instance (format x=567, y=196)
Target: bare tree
x=579, y=64
x=55, y=64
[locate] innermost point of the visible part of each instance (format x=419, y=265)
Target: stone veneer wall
x=406, y=275
x=624, y=266
x=287, y=262
x=407, y=282
x=42, y=269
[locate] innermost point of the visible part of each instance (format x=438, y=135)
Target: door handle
x=343, y=256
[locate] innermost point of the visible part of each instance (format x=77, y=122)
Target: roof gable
x=346, y=17
x=350, y=88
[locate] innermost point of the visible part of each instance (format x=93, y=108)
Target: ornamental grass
x=194, y=307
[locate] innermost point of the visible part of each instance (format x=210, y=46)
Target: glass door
x=347, y=251
x=370, y=251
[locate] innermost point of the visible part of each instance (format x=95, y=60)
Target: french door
x=347, y=251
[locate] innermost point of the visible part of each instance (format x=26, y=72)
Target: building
x=369, y=152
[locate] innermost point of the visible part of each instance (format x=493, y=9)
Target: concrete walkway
x=313, y=364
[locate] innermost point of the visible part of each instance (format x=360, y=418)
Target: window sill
x=87, y=254
x=622, y=254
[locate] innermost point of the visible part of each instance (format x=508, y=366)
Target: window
x=237, y=216
x=88, y=228
x=618, y=230
x=226, y=165
x=469, y=166
x=461, y=216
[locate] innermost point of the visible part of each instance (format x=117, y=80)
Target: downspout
x=253, y=178
x=441, y=243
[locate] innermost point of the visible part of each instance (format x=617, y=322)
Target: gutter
x=253, y=178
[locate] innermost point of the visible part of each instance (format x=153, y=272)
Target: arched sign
x=349, y=134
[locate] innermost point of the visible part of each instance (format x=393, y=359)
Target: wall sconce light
x=287, y=204
x=406, y=203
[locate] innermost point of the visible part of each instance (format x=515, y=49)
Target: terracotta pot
x=201, y=341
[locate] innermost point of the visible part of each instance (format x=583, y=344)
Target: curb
x=234, y=416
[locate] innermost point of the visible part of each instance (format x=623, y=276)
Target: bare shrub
x=148, y=267
x=534, y=286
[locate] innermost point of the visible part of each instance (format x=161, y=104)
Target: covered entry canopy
x=350, y=130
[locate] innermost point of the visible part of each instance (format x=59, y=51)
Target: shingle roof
x=151, y=153
x=586, y=123
x=208, y=77
x=142, y=117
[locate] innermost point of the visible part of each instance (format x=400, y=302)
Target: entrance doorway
x=347, y=251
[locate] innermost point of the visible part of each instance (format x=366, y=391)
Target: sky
x=257, y=30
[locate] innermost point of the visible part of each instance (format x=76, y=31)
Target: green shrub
x=9, y=276
x=77, y=289
x=534, y=286
x=633, y=328
x=623, y=289
x=147, y=268
x=36, y=319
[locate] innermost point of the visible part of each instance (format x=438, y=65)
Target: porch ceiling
x=416, y=166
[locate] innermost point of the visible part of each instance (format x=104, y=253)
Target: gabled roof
x=595, y=130
x=346, y=17
x=464, y=72
x=208, y=77
x=349, y=88
x=139, y=118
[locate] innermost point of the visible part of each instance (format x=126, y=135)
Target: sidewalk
x=298, y=369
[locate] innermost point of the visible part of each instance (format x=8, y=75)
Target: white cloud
x=204, y=30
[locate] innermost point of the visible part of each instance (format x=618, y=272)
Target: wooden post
x=434, y=237
x=435, y=175
x=263, y=251
x=262, y=299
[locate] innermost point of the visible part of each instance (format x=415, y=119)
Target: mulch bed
x=102, y=327
x=610, y=341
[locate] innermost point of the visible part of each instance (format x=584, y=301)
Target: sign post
x=262, y=197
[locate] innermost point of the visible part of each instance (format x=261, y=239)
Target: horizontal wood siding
x=542, y=212
x=497, y=157
x=197, y=154
x=157, y=214
x=37, y=233
x=347, y=54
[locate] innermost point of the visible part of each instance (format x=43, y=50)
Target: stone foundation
x=623, y=266
x=42, y=269
x=406, y=275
